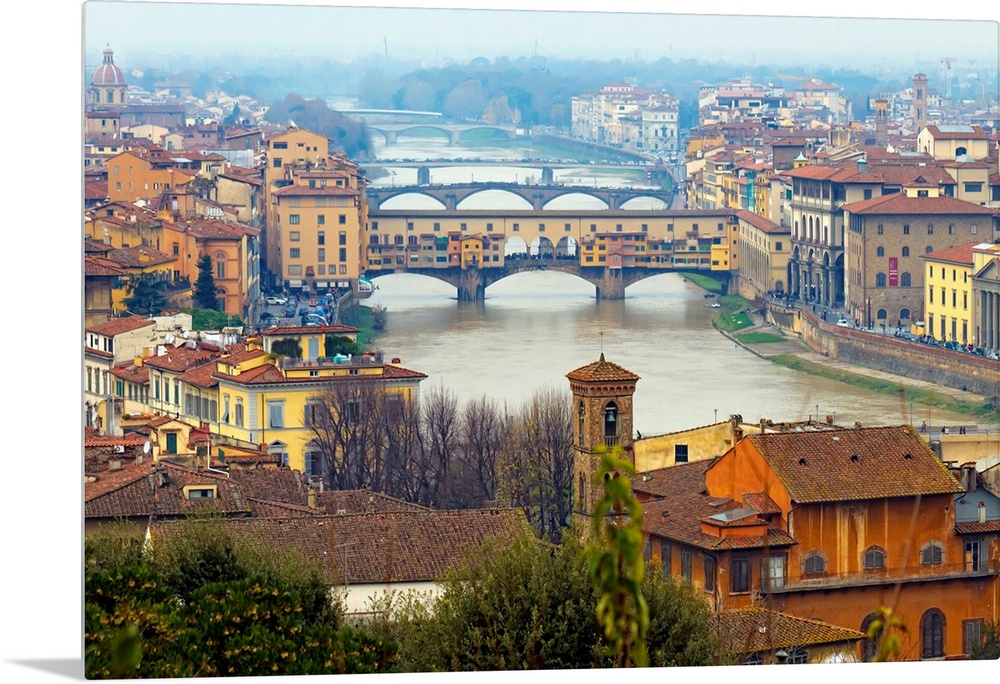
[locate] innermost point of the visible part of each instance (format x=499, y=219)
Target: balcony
x=908, y=574
x=357, y=361
x=611, y=441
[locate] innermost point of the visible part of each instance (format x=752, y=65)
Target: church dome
x=108, y=74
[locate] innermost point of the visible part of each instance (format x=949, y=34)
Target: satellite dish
x=146, y=447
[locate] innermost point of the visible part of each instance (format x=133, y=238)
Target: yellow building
x=138, y=261
x=274, y=402
x=948, y=294
x=764, y=248
x=294, y=146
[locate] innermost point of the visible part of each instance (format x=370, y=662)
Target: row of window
x=932, y=635
x=541, y=227
x=296, y=236
x=944, y=298
x=296, y=269
x=296, y=219
x=931, y=553
x=295, y=253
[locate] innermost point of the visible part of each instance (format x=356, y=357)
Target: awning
x=295, y=282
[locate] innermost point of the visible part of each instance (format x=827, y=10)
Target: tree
x=287, y=346
x=206, y=602
x=989, y=649
x=527, y=604
x=339, y=344
x=204, y=287
x=615, y=561
x=146, y=294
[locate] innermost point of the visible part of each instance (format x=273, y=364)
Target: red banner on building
x=893, y=271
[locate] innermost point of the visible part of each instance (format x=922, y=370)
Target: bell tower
x=881, y=123
x=602, y=415
x=919, y=102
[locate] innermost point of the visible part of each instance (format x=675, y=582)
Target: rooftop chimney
x=982, y=511
x=312, y=498
x=862, y=165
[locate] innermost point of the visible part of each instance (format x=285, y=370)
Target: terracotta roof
x=761, y=502
x=266, y=508
x=749, y=630
x=764, y=224
x=215, y=229
x=355, y=501
x=854, y=465
x=201, y=376
x=92, y=438
x=284, y=330
x=953, y=133
x=977, y=527
x=294, y=190
x=117, y=326
x=140, y=256
x=180, y=359
x=602, y=371
x=148, y=495
x=414, y=546
x=131, y=372
x=956, y=255
x=275, y=484
x=898, y=203
x=686, y=478
x=107, y=481
x=97, y=267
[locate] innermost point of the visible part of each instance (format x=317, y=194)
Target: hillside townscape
x=283, y=476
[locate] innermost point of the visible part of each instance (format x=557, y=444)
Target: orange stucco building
x=830, y=525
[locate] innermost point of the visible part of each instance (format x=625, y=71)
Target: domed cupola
x=107, y=85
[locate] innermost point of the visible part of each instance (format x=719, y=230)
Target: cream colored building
x=763, y=248
x=946, y=143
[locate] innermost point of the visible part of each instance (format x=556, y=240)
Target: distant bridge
x=538, y=196
x=454, y=132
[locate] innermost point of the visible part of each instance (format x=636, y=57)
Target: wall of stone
x=957, y=370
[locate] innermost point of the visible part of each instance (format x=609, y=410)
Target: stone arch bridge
x=471, y=283
x=538, y=196
x=454, y=132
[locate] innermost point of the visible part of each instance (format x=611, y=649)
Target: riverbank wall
x=957, y=370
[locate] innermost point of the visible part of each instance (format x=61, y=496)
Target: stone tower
x=602, y=415
x=881, y=123
x=919, y=102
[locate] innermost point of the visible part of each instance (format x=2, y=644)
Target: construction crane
x=947, y=62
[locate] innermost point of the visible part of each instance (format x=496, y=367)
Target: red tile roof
x=140, y=256
x=180, y=359
x=956, y=255
x=899, y=203
x=285, y=330
x=749, y=630
x=977, y=527
x=92, y=438
x=98, y=267
x=117, y=326
x=215, y=229
x=131, y=372
x=758, y=221
x=355, y=501
x=296, y=190
x=972, y=133
x=761, y=502
x=602, y=371
x=374, y=548
x=854, y=465
x=149, y=494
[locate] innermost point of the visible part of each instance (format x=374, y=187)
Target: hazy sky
x=141, y=29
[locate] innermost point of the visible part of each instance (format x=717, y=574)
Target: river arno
x=534, y=328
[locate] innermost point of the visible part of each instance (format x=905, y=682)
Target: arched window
x=906, y=251
x=581, y=412
x=874, y=556
x=904, y=314
x=959, y=151
x=932, y=553
x=880, y=251
x=881, y=314
x=880, y=280
x=904, y=280
x=932, y=634
x=869, y=647
x=611, y=419
x=813, y=564
x=928, y=249
x=582, y=493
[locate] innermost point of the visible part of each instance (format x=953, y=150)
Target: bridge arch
x=566, y=247
x=644, y=202
x=493, y=198
x=577, y=198
x=542, y=247
x=411, y=199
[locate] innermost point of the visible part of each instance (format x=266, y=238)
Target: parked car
x=276, y=299
x=290, y=310
x=843, y=323
x=303, y=310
